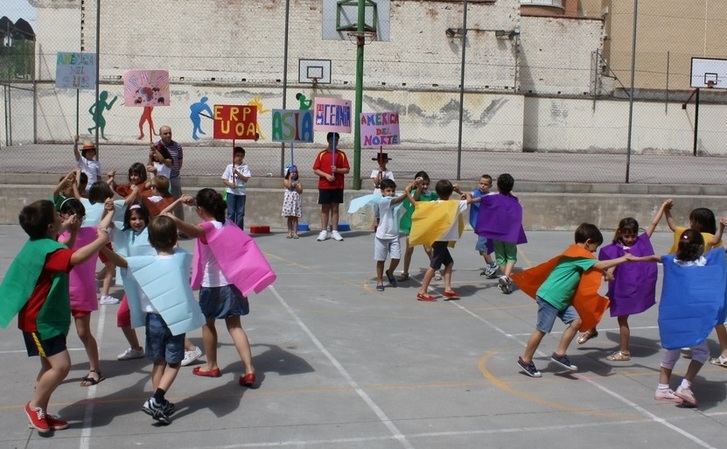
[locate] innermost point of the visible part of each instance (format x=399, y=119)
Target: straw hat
x=380, y=156
x=88, y=145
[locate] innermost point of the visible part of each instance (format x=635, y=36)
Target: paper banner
x=144, y=88
x=237, y=122
x=332, y=115
x=292, y=125
x=379, y=129
x=75, y=70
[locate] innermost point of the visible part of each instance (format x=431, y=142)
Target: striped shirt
x=175, y=151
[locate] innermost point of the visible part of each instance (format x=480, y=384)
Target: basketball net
x=710, y=84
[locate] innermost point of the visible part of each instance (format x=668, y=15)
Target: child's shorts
x=547, y=314
x=440, y=255
x=481, y=245
x=44, y=348
x=222, y=302
x=505, y=252
x=160, y=343
x=386, y=247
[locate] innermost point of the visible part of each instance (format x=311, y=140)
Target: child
x=420, y=194
x=167, y=311
x=35, y=288
x=159, y=197
x=631, y=288
x=566, y=287
x=439, y=223
x=82, y=284
x=692, y=302
x=292, y=200
x=500, y=219
x=224, y=276
x=137, y=181
x=86, y=160
x=235, y=179
x=131, y=240
x=702, y=220
x=330, y=165
x=481, y=246
x=386, y=241
x=160, y=161
x=72, y=185
x=378, y=175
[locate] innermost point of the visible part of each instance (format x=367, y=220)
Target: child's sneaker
x=191, y=356
x=108, y=300
x=159, y=412
x=323, y=235
x=563, y=361
x=56, y=423
x=686, y=395
x=505, y=284
x=529, y=368
x=438, y=275
x=37, y=419
x=667, y=394
x=490, y=271
x=131, y=354
x=392, y=280
x=336, y=236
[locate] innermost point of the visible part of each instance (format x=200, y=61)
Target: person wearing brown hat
x=86, y=161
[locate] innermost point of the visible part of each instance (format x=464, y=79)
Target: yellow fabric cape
x=589, y=304
x=431, y=220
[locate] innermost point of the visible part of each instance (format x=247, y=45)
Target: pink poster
x=146, y=88
x=332, y=115
x=379, y=129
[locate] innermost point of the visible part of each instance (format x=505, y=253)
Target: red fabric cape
x=589, y=304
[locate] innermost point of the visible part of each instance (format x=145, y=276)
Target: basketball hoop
x=364, y=37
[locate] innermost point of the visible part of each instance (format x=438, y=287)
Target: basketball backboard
x=314, y=71
x=706, y=71
x=340, y=16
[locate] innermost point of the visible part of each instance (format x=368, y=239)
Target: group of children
x=53, y=278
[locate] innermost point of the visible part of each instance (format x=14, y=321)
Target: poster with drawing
x=75, y=70
x=146, y=88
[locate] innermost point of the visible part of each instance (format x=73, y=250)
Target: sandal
x=719, y=361
x=619, y=356
x=587, y=336
x=403, y=277
x=450, y=295
x=290, y=235
x=89, y=380
x=425, y=297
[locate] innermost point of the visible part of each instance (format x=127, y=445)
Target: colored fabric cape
x=126, y=243
x=405, y=222
x=501, y=218
x=692, y=300
x=238, y=256
x=475, y=209
x=432, y=220
x=95, y=212
x=82, y=278
x=633, y=289
x=362, y=201
x=54, y=317
x=586, y=300
x=164, y=280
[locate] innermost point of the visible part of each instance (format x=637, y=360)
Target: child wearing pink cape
x=224, y=274
x=82, y=283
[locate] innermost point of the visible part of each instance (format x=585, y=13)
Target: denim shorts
x=481, y=245
x=547, y=314
x=160, y=343
x=222, y=302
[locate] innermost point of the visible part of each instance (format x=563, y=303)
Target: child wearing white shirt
x=235, y=179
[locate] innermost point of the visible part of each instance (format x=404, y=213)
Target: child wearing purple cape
x=631, y=287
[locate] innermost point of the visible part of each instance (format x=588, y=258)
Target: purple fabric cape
x=501, y=218
x=633, y=289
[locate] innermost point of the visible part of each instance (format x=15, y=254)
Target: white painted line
x=85, y=441
x=24, y=351
x=527, y=334
x=395, y=432
x=652, y=417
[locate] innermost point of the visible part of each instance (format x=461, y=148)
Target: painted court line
x=395, y=432
x=652, y=417
x=85, y=441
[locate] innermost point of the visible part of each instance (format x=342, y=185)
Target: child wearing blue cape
x=483, y=246
x=692, y=303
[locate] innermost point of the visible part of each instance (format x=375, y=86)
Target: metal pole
x=668, y=63
x=461, y=92
x=631, y=96
x=285, y=84
x=35, y=112
x=10, y=115
x=98, y=64
x=360, y=41
x=5, y=107
x=696, y=122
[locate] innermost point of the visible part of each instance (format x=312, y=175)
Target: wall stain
x=446, y=114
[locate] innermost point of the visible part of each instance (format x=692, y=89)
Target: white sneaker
x=323, y=235
x=667, y=395
x=686, y=395
x=131, y=354
x=108, y=300
x=191, y=356
x=438, y=275
x=336, y=236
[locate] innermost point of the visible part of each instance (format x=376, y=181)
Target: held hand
x=187, y=199
x=150, y=168
x=667, y=205
x=108, y=205
x=723, y=221
x=608, y=276
x=102, y=233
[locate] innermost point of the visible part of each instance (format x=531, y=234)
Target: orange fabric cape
x=589, y=304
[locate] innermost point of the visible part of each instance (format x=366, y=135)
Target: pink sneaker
x=667, y=395
x=686, y=395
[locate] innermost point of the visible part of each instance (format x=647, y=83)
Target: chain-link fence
x=544, y=98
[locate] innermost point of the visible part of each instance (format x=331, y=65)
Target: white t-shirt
x=453, y=233
x=388, y=228
x=163, y=170
x=388, y=174
x=239, y=185
x=91, y=168
x=213, y=276
x=702, y=261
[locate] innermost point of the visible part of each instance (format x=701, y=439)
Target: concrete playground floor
x=344, y=366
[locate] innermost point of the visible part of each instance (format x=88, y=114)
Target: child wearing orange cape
x=566, y=287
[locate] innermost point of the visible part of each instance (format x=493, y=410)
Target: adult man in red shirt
x=330, y=168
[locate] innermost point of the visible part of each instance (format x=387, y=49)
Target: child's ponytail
x=213, y=203
x=691, y=246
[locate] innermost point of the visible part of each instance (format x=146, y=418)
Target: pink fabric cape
x=82, y=279
x=238, y=256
